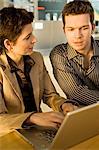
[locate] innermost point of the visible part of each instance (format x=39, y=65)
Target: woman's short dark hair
x=12, y=22
x=78, y=7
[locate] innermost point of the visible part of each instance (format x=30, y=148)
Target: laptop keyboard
x=41, y=138
x=49, y=135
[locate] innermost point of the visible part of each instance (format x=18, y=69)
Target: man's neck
x=85, y=52
x=87, y=59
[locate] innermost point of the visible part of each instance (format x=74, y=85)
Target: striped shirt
x=78, y=84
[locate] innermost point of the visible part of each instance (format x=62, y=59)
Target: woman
x=24, y=81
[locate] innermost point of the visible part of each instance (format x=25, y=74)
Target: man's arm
x=52, y=98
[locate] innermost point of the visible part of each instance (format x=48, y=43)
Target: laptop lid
x=78, y=125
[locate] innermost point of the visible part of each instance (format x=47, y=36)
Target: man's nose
x=78, y=33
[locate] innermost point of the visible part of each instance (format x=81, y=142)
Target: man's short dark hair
x=78, y=7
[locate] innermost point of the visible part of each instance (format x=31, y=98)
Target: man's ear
x=93, y=27
x=7, y=44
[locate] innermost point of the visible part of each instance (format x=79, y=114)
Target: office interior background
x=48, y=27
x=48, y=22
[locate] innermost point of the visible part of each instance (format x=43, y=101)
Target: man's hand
x=67, y=107
x=49, y=119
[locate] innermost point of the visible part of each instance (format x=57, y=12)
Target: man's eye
x=71, y=29
x=85, y=28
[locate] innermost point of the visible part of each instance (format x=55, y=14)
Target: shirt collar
x=95, y=47
x=27, y=60
x=71, y=52
x=28, y=63
x=12, y=64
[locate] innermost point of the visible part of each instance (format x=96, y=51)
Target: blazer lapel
x=11, y=77
x=34, y=75
x=13, y=82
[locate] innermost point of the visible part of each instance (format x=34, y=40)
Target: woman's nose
x=34, y=39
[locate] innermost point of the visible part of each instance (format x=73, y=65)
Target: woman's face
x=25, y=42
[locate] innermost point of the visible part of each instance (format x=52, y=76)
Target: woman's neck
x=16, y=58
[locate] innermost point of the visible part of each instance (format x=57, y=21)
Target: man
x=76, y=63
x=24, y=80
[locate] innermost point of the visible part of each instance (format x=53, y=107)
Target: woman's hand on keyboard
x=49, y=119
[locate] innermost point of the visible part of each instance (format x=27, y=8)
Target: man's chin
x=78, y=48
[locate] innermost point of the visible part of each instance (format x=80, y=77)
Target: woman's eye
x=27, y=37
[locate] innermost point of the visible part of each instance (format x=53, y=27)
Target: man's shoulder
x=60, y=49
x=97, y=42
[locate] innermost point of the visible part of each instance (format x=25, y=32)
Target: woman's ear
x=7, y=44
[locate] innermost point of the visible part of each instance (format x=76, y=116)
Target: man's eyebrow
x=85, y=26
x=69, y=27
x=77, y=27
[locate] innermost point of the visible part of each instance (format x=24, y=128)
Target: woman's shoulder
x=37, y=57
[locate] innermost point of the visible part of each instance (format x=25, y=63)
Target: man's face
x=78, y=30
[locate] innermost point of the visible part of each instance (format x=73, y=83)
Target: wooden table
x=13, y=141
x=91, y=144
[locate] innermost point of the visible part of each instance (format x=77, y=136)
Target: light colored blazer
x=11, y=102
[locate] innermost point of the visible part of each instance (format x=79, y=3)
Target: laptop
x=78, y=125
